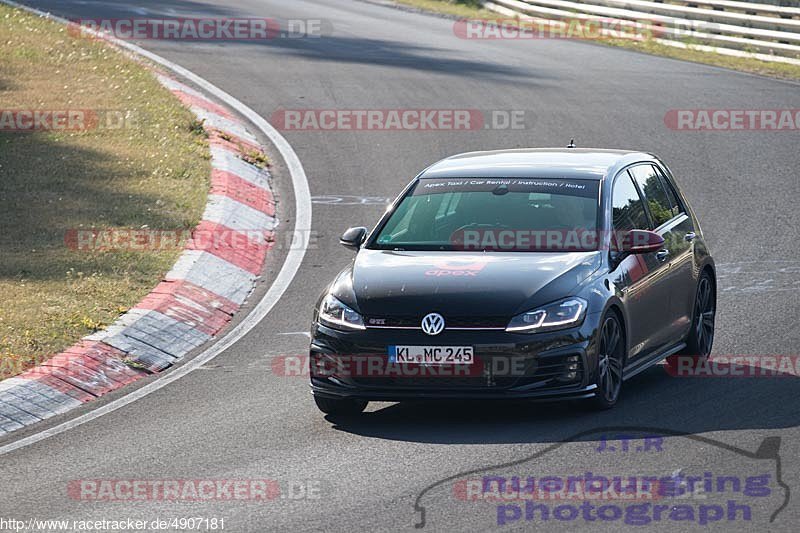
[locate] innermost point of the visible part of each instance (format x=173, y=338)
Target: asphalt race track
x=236, y=419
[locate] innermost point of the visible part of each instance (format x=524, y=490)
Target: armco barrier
x=762, y=31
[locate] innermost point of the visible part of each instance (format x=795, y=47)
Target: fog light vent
x=571, y=368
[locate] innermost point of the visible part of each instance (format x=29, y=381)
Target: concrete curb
x=193, y=304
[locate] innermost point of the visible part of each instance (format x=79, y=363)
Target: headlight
x=334, y=313
x=559, y=315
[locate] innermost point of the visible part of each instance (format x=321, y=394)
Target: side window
x=628, y=207
x=654, y=194
x=673, y=198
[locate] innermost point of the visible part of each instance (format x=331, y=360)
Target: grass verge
x=457, y=8
x=145, y=164
x=472, y=8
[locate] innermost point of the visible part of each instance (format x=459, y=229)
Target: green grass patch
x=771, y=69
x=147, y=165
x=458, y=8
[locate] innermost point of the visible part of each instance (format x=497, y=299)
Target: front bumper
x=555, y=365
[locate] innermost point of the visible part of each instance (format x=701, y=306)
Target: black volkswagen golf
x=535, y=273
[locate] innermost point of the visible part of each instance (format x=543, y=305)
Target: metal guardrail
x=744, y=7
x=783, y=3
x=764, y=21
x=763, y=31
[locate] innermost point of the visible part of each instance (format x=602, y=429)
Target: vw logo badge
x=433, y=324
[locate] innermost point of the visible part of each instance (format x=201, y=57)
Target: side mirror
x=353, y=237
x=639, y=241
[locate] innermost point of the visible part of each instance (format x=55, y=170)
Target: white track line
x=284, y=278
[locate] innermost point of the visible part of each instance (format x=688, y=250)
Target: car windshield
x=481, y=214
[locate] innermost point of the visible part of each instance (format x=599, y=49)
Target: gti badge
x=433, y=324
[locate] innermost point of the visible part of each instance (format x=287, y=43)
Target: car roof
x=575, y=163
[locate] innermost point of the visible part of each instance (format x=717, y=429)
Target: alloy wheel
x=704, y=316
x=610, y=359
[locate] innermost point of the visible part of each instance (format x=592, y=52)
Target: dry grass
x=782, y=71
x=471, y=8
x=458, y=8
x=151, y=172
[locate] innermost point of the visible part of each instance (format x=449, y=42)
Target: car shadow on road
x=323, y=40
x=654, y=398
x=400, y=55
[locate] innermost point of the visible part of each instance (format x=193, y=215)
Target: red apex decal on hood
x=456, y=267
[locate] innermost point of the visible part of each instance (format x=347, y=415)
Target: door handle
x=662, y=255
x=690, y=236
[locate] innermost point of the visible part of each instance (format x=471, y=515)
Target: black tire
x=341, y=407
x=700, y=340
x=611, y=353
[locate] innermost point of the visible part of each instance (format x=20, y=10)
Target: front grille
x=468, y=322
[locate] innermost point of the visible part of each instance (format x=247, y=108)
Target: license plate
x=432, y=355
